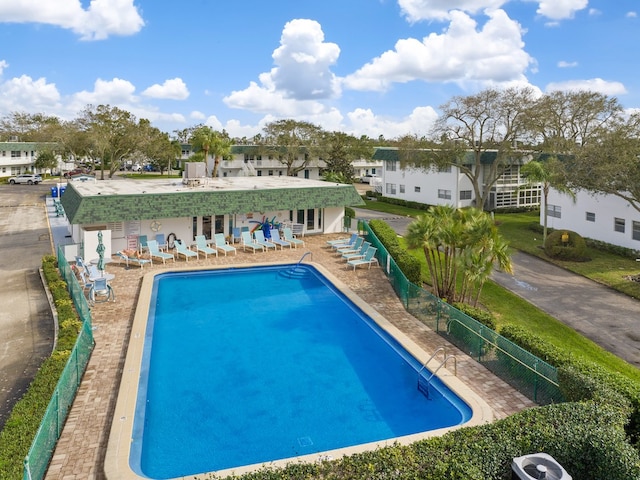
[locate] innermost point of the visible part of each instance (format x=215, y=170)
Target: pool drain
x=305, y=441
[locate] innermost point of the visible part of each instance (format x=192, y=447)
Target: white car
x=28, y=178
x=367, y=178
x=136, y=167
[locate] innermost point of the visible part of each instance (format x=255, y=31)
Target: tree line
x=580, y=139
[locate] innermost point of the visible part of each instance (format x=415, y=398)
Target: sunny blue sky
x=366, y=67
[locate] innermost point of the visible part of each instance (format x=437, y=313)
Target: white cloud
x=3, y=65
x=173, y=89
x=563, y=64
x=631, y=14
x=365, y=122
x=460, y=54
x=416, y=10
x=197, y=115
x=595, y=85
x=301, y=78
x=27, y=95
x=100, y=20
x=116, y=91
x=560, y=9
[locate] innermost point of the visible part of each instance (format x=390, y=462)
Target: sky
x=364, y=67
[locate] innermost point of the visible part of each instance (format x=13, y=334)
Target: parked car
x=76, y=171
x=28, y=178
x=367, y=178
x=136, y=167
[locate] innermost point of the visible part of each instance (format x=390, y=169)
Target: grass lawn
x=509, y=308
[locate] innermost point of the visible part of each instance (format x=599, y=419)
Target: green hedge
x=408, y=264
x=586, y=438
x=580, y=379
x=23, y=422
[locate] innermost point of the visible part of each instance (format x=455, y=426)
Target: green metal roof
x=103, y=208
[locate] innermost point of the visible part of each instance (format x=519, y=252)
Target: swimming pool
x=248, y=366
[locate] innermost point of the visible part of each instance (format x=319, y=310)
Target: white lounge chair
x=131, y=259
x=221, y=244
x=275, y=238
x=291, y=238
x=247, y=242
x=368, y=259
x=201, y=246
x=260, y=240
x=181, y=249
x=154, y=251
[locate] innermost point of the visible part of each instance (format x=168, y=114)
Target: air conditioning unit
x=537, y=466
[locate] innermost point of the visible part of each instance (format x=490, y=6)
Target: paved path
x=608, y=318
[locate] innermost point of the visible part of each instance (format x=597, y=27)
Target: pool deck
x=81, y=450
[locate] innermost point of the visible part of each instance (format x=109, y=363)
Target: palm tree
x=550, y=173
x=220, y=148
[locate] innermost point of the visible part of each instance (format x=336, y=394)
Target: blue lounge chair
x=368, y=259
x=349, y=243
x=221, y=244
x=162, y=241
x=235, y=235
x=201, y=246
x=359, y=254
x=351, y=248
x=181, y=249
x=154, y=251
x=260, y=240
x=341, y=241
x=247, y=242
x=127, y=259
x=275, y=238
x=291, y=238
x=142, y=243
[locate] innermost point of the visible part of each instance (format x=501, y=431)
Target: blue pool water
x=247, y=365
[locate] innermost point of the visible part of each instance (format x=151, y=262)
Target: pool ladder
x=423, y=383
x=294, y=272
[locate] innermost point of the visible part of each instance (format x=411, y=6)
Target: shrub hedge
x=574, y=248
x=409, y=265
x=23, y=422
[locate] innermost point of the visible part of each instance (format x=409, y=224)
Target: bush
x=482, y=316
x=408, y=264
x=565, y=245
x=349, y=212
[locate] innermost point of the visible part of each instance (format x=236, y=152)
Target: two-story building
x=450, y=186
x=20, y=157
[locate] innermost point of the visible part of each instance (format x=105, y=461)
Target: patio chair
x=368, y=259
x=154, y=251
x=201, y=246
x=291, y=238
x=101, y=288
x=84, y=282
x=260, y=240
x=235, y=235
x=221, y=244
x=247, y=242
x=275, y=238
x=351, y=248
x=142, y=243
x=359, y=254
x=344, y=240
x=181, y=249
x=162, y=241
x=349, y=243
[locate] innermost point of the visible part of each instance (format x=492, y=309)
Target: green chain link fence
x=527, y=373
x=41, y=451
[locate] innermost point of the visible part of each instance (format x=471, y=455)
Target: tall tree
x=476, y=134
x=292, y=142
x=339, y=150
x=113, y=135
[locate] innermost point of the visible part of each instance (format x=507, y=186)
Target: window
x=401, y=188
x=15, y=154
x=446, y=194
x=618, y=225
x=591, y=217
x=635, y=230
x=391, y=188
x=554, y=211
x=259, y=173
x=444, y=169
x=416, y=189
x=390, y=166
x=270, y=173
x=465, y=194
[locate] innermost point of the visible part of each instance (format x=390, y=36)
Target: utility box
x=194, y=170
x=537, y=466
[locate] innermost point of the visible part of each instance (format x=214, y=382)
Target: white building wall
x=433, y=186
x=605, y=209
